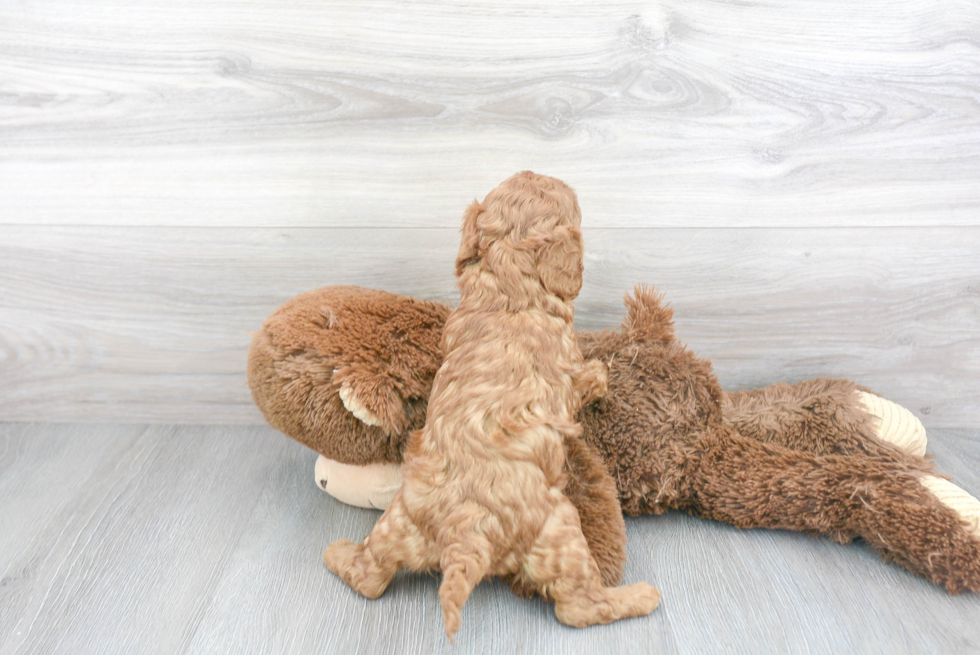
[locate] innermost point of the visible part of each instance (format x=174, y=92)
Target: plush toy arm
x=911, y=517
x=593, y=492
x=825, y=416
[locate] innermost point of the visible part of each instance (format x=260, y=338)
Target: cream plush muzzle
x=371, y=486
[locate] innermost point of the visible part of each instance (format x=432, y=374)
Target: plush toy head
x=347, y=371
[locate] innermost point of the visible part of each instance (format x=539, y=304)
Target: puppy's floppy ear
x=469, y=247
x=559, y=262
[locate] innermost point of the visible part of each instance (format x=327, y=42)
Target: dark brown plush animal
x=347, y=371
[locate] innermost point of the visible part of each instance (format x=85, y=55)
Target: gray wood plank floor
x=204, y=539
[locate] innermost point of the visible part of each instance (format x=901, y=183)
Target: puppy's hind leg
x=394, y=543
x=464, y=562
x=561, y=565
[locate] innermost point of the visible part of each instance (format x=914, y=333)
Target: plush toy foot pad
x=895, y=424
x=958, y=500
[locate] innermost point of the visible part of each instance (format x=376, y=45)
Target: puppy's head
x=526, y=227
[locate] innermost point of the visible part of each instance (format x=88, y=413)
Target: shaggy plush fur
x=483, y=479
x=801, y=457
x=807, y=461
x=326, y=349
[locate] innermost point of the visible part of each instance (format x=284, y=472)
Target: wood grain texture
x=153, y=324
x=130, y=562
x=391, y=114
x=202, y=539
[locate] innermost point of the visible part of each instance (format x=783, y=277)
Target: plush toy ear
x=371, y=398
x=559, y=262
x=469, y=247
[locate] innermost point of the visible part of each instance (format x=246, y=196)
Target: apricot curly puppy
x=483, y=479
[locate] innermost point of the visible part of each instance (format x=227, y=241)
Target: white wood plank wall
x=803, y=179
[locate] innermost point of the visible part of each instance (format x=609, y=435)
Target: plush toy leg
x=560, y=564
x=888, y=503
x=895, y=424
x=825, y=416
x=966, y=506
x=593, y=492
x=394, y=543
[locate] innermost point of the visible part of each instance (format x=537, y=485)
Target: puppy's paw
x=895, y=424
x=592, y=381
x=637, y=599
x=354, y=565
x=339, y=557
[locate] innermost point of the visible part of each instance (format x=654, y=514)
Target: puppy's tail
x=463, y=566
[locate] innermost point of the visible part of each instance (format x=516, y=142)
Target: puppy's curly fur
x=483, y=479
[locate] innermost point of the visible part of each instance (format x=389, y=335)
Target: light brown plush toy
x=347, y=371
